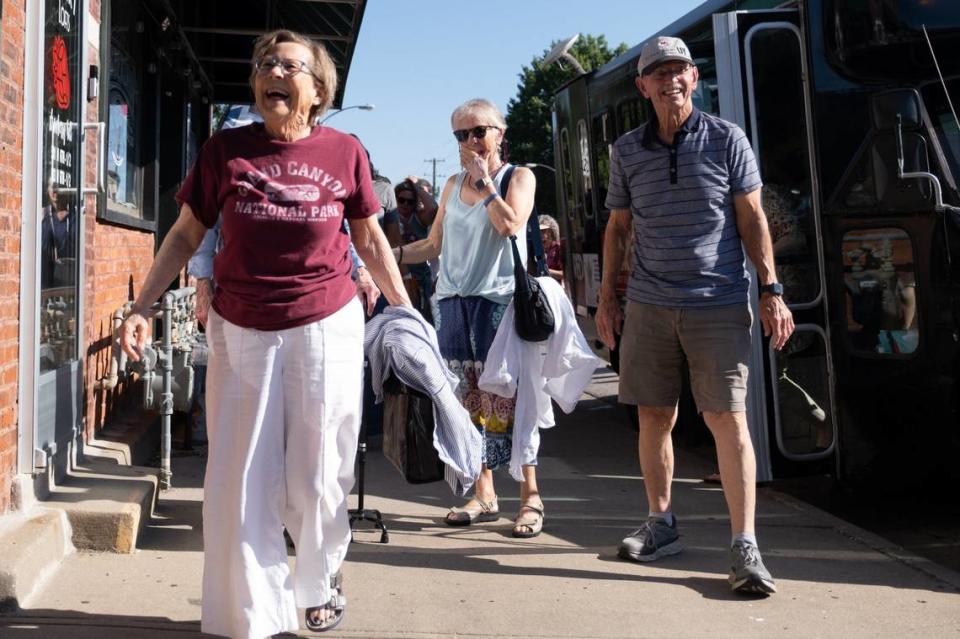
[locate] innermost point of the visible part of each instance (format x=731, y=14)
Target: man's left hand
x=776, y=318
x=367, y=291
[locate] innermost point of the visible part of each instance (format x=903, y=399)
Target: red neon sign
x=60, y=72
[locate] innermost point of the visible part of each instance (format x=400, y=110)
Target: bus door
x=578, y=218
x=762, y=82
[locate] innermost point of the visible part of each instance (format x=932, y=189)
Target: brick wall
x=11, y=157
x=117, y=260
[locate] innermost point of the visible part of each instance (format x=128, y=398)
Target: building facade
x=102, y=106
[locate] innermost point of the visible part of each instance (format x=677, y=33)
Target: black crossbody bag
x=533, y=317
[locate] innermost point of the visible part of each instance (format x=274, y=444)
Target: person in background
x=285, y=332
x=58, y=231
x=552, y=249
x=416, y=211
x=689, y=185
x=475, y=286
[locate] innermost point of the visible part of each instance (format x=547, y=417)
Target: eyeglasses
x=478, y=132
x=409, y=201
x=663, y=72
x=288, y=66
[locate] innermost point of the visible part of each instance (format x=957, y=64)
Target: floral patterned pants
x=466, y=328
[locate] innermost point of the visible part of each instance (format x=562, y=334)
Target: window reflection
x=59, y=214
x=785, y=167
x=583, y=138
x=881, y=291
x=803, y=394
x=628, y=116
x=566, y=163
x=123, y=170
x=601, y=142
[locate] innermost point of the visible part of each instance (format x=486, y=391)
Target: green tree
x=530, y=132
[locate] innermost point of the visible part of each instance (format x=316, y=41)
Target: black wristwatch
x=481, y=183
x=775, y=288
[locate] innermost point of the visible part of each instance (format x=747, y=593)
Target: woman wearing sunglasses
x=285, y=335
x=474, y=288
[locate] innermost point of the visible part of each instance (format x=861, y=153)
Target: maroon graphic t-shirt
x=284, y=260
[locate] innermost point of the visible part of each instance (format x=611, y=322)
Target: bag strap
x=534, y=241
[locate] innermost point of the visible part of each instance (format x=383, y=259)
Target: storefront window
x=59, y=215
x=878, y=273
x=123, y=166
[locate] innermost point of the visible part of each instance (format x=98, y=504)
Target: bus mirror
x=890, y=107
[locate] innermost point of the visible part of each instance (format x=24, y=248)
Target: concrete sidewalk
x=434, y=581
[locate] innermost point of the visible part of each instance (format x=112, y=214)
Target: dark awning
x=218, y=36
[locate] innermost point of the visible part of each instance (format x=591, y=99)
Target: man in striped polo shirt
x=688, y=184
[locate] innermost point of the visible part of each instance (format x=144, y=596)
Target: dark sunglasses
x=478, y=132
x=409, y=201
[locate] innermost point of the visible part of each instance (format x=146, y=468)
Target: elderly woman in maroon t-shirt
x=286, y=342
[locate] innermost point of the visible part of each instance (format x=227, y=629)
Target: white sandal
x=475, y=511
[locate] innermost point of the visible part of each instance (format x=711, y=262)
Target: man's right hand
x=134, y=333
x=609, y=319
x=204, y=298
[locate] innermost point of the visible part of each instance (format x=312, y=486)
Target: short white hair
x=478, y=106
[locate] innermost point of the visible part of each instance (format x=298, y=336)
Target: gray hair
x=323, y=70
x=547, y=222
x=479, y=106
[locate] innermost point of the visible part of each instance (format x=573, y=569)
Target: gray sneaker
x=651, y=541
x=747, y=572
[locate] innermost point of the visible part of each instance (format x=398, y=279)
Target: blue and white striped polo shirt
x=687, y=250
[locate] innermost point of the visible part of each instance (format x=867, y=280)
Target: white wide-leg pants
x=283, y=419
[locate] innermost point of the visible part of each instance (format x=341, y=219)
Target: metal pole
x=434, y=161
x=166, y=398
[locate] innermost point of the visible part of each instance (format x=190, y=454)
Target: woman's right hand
x=134, y=333
x=473, y=164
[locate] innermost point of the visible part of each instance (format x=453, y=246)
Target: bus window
x=881, y=294
x=565, y=163
x=804, y=418
x=705, y=96
x=628, y=116
x=946, y=127
x=583, y=138
x=602, y=139
x=780, y=142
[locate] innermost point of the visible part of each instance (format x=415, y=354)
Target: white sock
x=667, y=517
x=746, y=538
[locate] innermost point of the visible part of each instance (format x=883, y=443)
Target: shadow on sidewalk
x=589, y=478
x=71, y=624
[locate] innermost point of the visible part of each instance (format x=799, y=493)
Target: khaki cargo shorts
x=714, y=341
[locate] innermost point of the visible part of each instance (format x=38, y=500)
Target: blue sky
x=416, y=60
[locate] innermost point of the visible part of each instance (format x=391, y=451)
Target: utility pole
x=434, y=161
